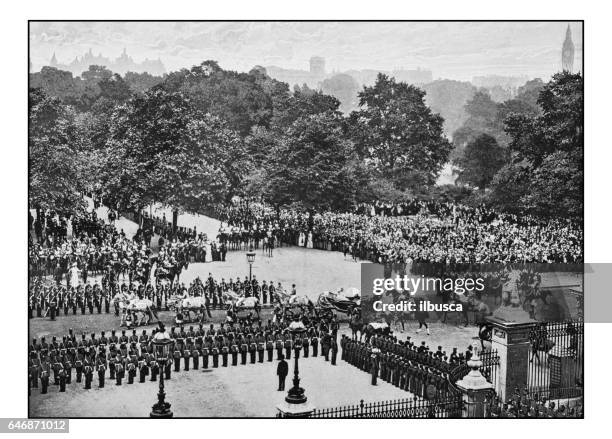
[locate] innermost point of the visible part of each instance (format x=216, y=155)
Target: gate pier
x=510, y=337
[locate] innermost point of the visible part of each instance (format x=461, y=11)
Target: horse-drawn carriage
x=134, y=311
x=329, y=303
x=243, y=308
x=194, y=301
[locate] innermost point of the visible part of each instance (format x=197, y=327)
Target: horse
x=186, y=305
x=374, y=328
x=356, y=324
x=144, y=306
x=268, y=246
x=302, y=303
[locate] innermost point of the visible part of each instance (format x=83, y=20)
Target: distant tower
x=317, y=66
x=567, y=53
x=53, y=61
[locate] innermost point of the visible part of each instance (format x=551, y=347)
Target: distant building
x=567, y=52
x=416, y=77
x=506, y=82
x=343, y=85
x=317, y=66
x=121, y=65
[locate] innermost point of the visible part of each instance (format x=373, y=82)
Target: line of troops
x=52, y=301
x=401, y=363
x=134, y=355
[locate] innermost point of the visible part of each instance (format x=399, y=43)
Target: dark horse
x=356, y=324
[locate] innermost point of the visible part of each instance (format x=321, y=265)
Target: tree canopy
x=398, y=134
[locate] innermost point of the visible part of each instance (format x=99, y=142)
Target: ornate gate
x=556, y=359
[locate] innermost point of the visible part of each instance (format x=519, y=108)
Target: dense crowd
x=533, y=405
x=94, y=248
x=429, y=232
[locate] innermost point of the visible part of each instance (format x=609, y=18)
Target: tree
x=237, y=98
x=547, y=152
x=481, y=160
x=312, y=166
x=57, y=167
x=164, y=150
x=304, y=102
x=141, y=82
x=399, y=135
x=114, y=89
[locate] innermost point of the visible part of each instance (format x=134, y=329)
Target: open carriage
x=329, y=303
x=243, y=308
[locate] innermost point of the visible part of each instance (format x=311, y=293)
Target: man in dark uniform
x=288, y=346
x=62, y=379
x=270, y=349
x=305, y=345
x=155, y=368
x=177, y=358
x=279, y=349
x=205, y=354
x=374, y=368
x=143, y=368
x=52, y=307
x=34, y=369
x=282, y=370
x=215, y=355
x=119, y=370
x=326, y=345
x=78, y=364
x=244, y=348
x=88, y=371
x=186, y=356
x=67, y=367
x=224, y=354
x=101, y=368
x=334, y=352
x=252, y=351
x=234, y=352
x=260, y=352
x=45, y=370
x=132, y=369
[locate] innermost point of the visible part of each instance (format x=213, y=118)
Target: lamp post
x=161, y=342
x=296, y=404
x=296, y=393
x=250, y=259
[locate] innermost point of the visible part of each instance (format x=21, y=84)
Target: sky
x=453, y=50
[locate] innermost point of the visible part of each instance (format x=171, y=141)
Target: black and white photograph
x=206, y=200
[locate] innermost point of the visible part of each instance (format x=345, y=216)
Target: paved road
x=241, y=391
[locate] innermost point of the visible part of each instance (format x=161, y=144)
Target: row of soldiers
x=51, y=301
x=402, y=364
x=129, y=356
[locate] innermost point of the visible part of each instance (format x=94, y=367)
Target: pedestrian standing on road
x=282, y=370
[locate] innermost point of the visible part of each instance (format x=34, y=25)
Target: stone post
x=475, y=388
x=510, y=337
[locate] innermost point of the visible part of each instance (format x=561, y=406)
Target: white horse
x=188, y=304
x=145, y=307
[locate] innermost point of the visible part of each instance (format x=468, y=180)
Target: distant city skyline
x=453, y=50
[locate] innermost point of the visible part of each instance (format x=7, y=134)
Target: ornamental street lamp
x=161, y=342
x=250, y=259
x=296, y=393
